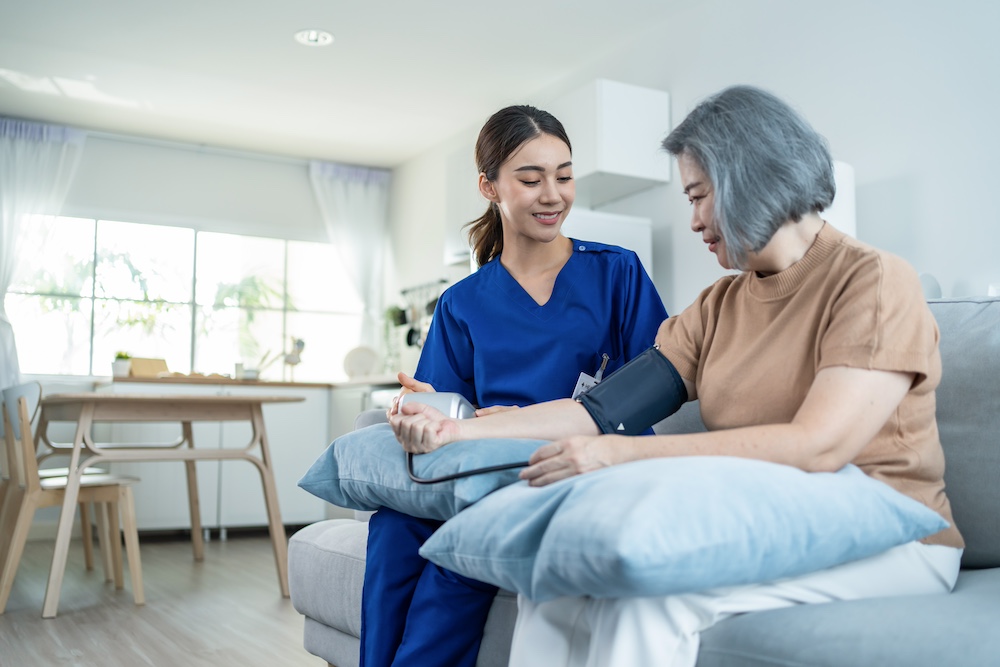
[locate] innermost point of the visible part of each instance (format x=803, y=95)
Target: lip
x=713, y=244
x=547, y=217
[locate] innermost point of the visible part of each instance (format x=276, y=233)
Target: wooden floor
x=226, y=610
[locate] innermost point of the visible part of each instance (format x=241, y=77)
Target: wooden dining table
x=87, y=408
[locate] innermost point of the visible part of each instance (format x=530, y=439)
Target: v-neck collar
x=506, y=282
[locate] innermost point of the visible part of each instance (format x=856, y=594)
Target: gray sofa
x=327, y=559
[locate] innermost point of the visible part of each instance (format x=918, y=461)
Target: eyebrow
x=690, y=186
x=531, y=167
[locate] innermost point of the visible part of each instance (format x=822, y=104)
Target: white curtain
x=37, y=163
x=354, y=202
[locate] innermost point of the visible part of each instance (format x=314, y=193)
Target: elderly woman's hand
x=573, y=456
x=421, y=429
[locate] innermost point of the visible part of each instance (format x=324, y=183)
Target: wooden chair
x=112, y=491
x=10, y=491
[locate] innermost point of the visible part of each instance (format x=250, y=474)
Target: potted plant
x=122, y=364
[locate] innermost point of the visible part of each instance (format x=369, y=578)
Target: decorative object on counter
x=144, y=367
x=122, y=365
x=254, y=372
x=293, y=358
x=360, y=361
x=421, y=300
x=395, y=316
x=413, y=337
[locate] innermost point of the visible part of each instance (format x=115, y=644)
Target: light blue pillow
x=675, y=525
x=366, y=470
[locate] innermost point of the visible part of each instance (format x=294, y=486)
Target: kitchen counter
x=369, y=380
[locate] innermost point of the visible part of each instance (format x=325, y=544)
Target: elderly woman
x=820, y=352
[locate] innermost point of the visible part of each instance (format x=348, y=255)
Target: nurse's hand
x=572, y=456
x=409, y=386
x=493, y=409
x=421, y=429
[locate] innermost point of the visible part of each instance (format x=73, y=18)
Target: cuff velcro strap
x=641, y=393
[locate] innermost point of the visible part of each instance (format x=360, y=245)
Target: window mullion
x=93, y=300
x=194, y=305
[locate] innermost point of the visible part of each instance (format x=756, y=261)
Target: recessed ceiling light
x=313, y=37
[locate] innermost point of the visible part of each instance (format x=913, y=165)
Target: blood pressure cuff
x=641, y=393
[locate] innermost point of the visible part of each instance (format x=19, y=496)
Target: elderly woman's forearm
x=545, y=421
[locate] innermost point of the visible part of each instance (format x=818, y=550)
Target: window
x=203, y=301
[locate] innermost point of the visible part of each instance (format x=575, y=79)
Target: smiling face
x=701, y=195
x=534, y=189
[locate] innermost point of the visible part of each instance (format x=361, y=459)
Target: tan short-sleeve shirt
x=752, y=346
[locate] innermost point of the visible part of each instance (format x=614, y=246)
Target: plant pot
x=120, y=368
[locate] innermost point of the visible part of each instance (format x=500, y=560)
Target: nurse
x=541, y=310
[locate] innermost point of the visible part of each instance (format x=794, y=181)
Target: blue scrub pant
x=414, y=613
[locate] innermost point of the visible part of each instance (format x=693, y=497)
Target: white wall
x=432, y=197
x=904, y=90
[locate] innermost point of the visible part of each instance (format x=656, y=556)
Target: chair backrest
x=20, y=405
x=7, y=444
x=32, y=393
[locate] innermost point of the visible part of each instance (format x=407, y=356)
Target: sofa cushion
x=958, y=630
x=366, y=469
x=968, y=414
x=667, y=526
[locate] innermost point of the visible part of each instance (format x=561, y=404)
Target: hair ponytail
x=486, y=235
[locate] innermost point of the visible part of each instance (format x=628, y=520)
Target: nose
x=696, y=224
x=550, y=193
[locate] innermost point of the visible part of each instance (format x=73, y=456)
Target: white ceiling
x=401, y=75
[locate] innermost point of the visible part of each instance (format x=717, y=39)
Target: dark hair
x=501, y=136
x=767, y=165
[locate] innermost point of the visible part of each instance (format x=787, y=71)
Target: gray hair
x=767, y=165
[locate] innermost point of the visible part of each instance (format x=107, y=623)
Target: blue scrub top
x=491, y=342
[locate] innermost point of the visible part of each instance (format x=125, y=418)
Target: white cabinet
x=297, y=433
x=627, y=231
x=616, y=129
x=230, y=493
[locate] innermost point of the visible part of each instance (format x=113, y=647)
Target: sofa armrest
x=370, y=417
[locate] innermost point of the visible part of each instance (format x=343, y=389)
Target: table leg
x=276, y=528
x=194, y=504
x=67, y=514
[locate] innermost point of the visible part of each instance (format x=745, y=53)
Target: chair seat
x=62, y=472
x=106, y=479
